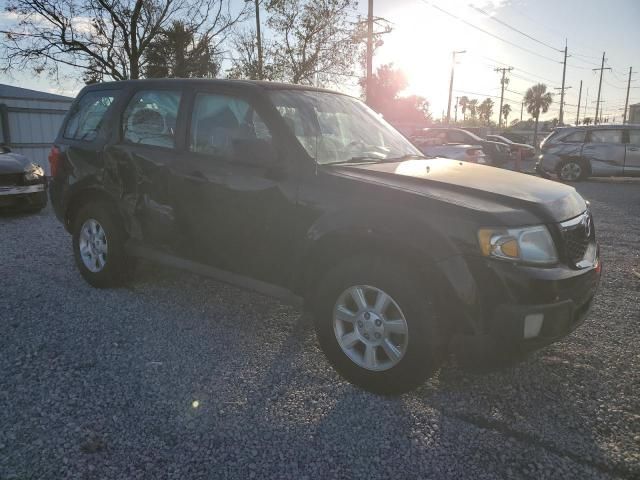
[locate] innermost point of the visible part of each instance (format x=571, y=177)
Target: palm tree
x=464, y=103
x=473, y=107
x=506, y=110
x=538, y=101
x=485, y=110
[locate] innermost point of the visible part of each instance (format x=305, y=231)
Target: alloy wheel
x=370, y=327
x=93, y=245
x=570, y=172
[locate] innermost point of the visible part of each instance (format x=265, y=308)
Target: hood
x=12, y=163
x=485, y=189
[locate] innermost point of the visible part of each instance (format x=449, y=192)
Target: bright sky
x=424, y=37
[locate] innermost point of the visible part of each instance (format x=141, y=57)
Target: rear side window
x=575, y=137
x=606, y=136
x=220, y=122
x=150, y=118
x=634, y=137
x=87, y=115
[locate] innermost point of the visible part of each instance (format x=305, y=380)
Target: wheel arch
x=83, y=196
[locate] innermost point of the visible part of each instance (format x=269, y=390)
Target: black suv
x=305, y=193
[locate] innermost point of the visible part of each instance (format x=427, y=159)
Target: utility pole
x=521, y=110
x=579, y=100
x=562, y=89
x=586, y=102
x=258, y=37
x=455, y=117
x=504, y=71
x=602, y=69
x=626, y=102
x=453, y=66
x=561, y=114
x=369, y=51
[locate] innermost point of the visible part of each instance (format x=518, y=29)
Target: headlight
x=33, y=172
x=527, y=244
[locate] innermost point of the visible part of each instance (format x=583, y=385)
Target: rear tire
x=572, y=170
x=400, y=362
x=98, y=246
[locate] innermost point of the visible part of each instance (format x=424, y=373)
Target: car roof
x=608, y=126
x=192, y=82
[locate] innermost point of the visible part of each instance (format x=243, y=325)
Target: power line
x=513, y=28
x=488, y=33
x=515, y=68
x=484, y=95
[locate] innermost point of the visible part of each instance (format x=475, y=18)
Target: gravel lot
x=177, y=376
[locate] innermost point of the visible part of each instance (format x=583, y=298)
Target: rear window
x=634, y=137
x=606, y=136
x=87, y=114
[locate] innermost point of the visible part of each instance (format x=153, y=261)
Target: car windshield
x=335, y=128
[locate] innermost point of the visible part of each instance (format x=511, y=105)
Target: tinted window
x=220, y=122
x=606, y=136
x=87, y=114
x=150, y=118
x=634, y=137
x=575, y=137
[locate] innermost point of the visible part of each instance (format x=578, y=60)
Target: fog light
x=532, y=325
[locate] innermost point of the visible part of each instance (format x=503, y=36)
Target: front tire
x=572, y=170
x=98, y=246
x=377, y=325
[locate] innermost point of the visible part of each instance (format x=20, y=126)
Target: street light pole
x=453, y=65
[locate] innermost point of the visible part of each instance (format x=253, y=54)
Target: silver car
x=576, y=153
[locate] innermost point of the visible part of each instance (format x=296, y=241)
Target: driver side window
x=222, y=126
x=150, y=118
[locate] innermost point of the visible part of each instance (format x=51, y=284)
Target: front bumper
x=23, y=196
x=519, y=309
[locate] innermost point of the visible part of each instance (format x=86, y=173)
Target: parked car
x=576, y=153
x=498, y=154
x=23, y=183
x=467, y=153
x=514, y=137
x=525, y=149
x=308, y=195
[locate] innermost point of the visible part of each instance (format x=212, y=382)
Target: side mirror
x=255, y=152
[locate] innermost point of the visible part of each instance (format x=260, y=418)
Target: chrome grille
x=577, y=234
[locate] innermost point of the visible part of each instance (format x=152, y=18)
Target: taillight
x=55, y=161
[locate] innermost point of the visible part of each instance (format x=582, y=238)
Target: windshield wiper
x=359, y=159
x=408, y=156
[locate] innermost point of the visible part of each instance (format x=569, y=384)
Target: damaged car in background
x=23, y=184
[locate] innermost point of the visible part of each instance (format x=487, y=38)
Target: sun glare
x=422, y=44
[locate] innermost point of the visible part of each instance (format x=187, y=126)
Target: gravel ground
x=176, y=376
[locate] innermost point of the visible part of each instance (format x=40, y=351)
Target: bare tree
x=312, y=38
x=244, y=63
x=103, y=38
